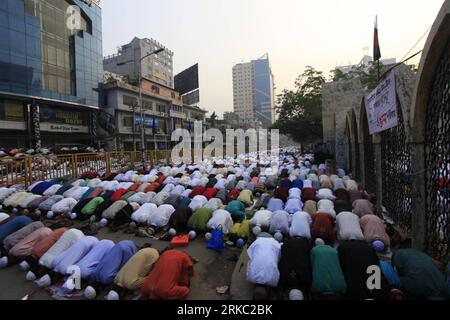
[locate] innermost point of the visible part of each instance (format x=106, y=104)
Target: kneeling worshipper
x=123, y=216
x=23, y=249
x=279, y=225
x=327, y=206
x=132, y=275
x=14, y=238
x=68, y=239
x=374, y=231
x=111, y=211
x=199, y=219
x=262, y=202
x=328, y=279
x=12, y=226
x=310, y=207
x=362, y=207
x=419, y=276
x=356, y=257
x=348, y=227
x=47, y=250
x=237, y=210
x=323, y=228
x=71, y=256
x=89, y=262
x=300, y=225
x=108, y=268
x=160, y=217
x=275, y=204
x=222, y=220
x=295, y=265
x=262, y=269
x=293, y=205
x=142, y=214
x=179, y=219
x=170, y=277
x=261, y=221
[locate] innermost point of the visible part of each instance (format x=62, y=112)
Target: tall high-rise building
x=157, y=67
x=50, y=69
x=253, y=91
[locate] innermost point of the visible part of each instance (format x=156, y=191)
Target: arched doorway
x=437, y=160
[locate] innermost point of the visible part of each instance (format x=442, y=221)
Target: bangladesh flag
x=376, y=44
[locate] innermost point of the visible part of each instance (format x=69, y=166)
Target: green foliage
x=368, y=75
x=300, y=111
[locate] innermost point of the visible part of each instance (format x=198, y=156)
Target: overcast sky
x=295, y=33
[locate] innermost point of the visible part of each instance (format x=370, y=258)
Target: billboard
x=187, y=80
x=191, y=98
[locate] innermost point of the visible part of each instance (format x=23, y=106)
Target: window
x=155, y=89
x=160, y=108
x=127, y=121
x=129, y=101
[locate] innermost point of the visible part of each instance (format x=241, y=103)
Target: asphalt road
x=212, y=270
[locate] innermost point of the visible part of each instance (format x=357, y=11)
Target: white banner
x=381, y=105
x=55, y=127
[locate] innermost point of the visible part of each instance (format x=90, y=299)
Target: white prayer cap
x=192, y=234
x=296, y=294
x=256, y=230
x=3, y=262
x=172, y=232
x=278, y=236
x=112, y=295
x=24, y=266
x=73, y=215
x=104, y=222
x=44, y=281
x=319, y=242
x=30, y=276
x=90, y=293
x=50, y=215
x=208, y=235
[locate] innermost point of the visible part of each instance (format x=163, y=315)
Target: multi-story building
x=163, y=112
x=50, y=68
x=253, y=91
x=157, y=67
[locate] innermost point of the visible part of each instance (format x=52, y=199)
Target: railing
x=36, y=168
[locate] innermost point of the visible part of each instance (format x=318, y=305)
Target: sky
x=295, y=33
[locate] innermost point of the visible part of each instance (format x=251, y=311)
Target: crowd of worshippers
x=282, y=213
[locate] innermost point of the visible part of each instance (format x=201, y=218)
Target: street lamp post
x=141, y=107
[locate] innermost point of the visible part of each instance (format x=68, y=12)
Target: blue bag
x=216, y=241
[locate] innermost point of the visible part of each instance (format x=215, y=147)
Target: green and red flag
x=376, y=44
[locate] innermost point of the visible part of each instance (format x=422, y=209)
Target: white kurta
x=262, y=267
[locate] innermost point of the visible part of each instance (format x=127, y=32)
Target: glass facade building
x=50, y=55
x=263, y=92
x=41, y=56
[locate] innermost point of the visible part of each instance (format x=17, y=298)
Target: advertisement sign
x=64, y=116
x=52, y=127
x=381, y=106
x=148, y=122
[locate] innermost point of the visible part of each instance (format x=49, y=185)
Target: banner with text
x=381, y=105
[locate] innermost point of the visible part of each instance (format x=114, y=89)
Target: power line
x=426, y=32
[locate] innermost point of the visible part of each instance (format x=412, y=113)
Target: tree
x=300, y=111
x=367, y=74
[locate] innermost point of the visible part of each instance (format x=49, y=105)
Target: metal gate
x=437, y=161
x=396, y=174
x=369, y=158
